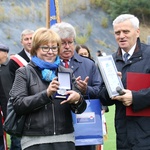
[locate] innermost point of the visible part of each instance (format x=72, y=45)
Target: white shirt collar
x=28, y=54
x=64, y=63
x=131, y=51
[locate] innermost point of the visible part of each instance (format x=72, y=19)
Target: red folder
x=137, y=81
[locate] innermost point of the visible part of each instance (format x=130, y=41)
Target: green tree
x=139, y=8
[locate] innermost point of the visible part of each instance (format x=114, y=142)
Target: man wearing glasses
x=84, y=69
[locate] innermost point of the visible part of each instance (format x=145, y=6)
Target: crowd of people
x=47, y=52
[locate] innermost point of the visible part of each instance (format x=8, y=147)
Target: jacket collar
x=76, y=57
x=24, y=55
x=137, y=51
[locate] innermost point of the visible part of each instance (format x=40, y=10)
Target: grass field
x=110, y=143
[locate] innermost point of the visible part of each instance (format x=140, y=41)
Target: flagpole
x=57, y=11
x=48, y=13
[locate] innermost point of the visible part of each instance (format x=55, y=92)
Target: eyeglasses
x=47, y=49
x=70, y=43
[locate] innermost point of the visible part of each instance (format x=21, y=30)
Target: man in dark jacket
x=24, y=55
x=20, y=59
x=84, y=69
x=133, y=133
x=5, y=85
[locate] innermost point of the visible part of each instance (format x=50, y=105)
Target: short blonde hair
x=43, y=36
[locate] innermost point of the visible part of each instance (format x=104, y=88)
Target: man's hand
x=126, y=98
x=82, y=84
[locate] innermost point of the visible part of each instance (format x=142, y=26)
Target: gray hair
x=64, y=30
x=26, y=31
x=121, y=18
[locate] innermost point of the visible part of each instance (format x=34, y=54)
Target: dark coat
x=5, y=86
x=6, y=77
x=133, y=133
x=3, y=106
x=84, y=67
x=44, y=115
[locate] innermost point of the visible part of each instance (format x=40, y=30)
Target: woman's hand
x=53, y=87
x=73, y=97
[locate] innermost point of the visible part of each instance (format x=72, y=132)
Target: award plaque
x=65, y=84
x=109, y=71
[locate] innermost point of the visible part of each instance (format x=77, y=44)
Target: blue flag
x=54, y=12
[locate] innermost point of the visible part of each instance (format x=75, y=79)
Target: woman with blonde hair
x=48, y=124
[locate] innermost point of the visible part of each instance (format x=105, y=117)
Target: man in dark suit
x=22, y=58
x=5, y=85
x=86, y=73
x=26, y=38
x=3, y=106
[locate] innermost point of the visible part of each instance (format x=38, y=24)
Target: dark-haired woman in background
x=83, y=50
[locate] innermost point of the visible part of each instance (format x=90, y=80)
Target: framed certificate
x=109, y=71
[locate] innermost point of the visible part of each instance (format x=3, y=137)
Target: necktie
x=66, y=63
x=126, y=55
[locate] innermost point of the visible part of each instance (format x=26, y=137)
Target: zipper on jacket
x=28, y=126
x=54, y=118
x=46, y=107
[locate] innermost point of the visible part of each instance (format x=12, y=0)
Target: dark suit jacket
x=13, y=66
x=84, y=67
x=5, y=86
x=3, y=106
